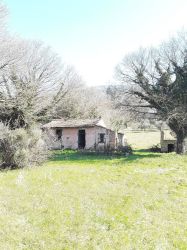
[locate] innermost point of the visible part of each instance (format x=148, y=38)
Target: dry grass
x=143, y=139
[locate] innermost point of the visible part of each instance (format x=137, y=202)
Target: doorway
x=171, y=148
x=59, y=133
x=81, y=139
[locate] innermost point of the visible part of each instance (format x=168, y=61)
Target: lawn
x=79, y=201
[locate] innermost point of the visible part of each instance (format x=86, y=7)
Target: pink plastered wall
x=91, y=137
x=70, y=138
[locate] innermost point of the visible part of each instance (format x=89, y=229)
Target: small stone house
x=89, y=134
x=167, y=141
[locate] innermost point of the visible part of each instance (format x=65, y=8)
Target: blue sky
x=94, y=35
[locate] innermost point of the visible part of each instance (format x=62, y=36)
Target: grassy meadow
x=79, y=201
x=143, y=139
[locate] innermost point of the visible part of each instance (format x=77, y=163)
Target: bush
x=126, y=150
x=21, y=147
x=155, y=148
x=121, y=150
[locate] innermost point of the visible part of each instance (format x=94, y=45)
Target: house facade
x=167, y=141
x=81, y=134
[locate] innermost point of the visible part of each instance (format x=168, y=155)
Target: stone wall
x=165, y=143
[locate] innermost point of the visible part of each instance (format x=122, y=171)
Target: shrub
x=121, y=150
x=155, y=148
x=126, y=150
x=21, y=147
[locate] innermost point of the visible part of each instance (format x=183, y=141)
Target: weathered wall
x=90, y=138
x=120, y=140
x=164, y=145
x=70, y=138
x=110, y=140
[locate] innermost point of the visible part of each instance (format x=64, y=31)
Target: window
x=59, y=133
x=102, y=138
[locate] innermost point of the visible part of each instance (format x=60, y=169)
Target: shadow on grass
x=73, y=155
x=141, y=154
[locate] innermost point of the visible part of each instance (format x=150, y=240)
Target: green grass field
x=79, y=201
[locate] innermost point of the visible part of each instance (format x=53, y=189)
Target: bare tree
x=81, y=101
x=5, y=39
x=3, y=15
x=155, y=84
x=33, y=84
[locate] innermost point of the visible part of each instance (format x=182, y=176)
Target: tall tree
x=32, y=84
x=154, y=82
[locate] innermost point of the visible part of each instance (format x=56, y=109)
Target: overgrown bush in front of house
x=121, y=150
x=155, y=148
x=21, y=147
x=126, y=150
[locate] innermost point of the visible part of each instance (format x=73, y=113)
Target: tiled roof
x=74, y=123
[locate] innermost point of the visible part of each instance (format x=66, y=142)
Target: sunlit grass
x=79, y=201
x=143, y=139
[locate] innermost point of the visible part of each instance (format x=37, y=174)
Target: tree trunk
x=181, y=134
x=180, y=144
